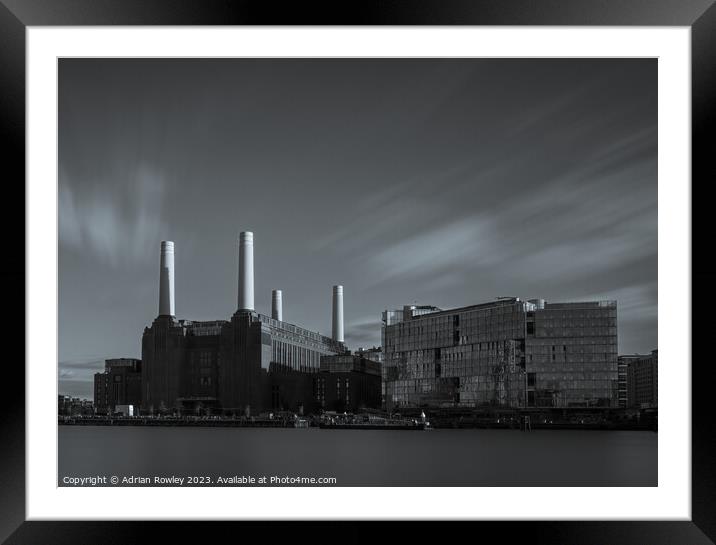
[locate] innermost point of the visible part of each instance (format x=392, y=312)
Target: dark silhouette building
x=119, y=384
x=643, y=380
x=348, y=383
x=291, y=390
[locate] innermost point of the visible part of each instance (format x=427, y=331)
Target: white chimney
x=276, y=305
x=166, y=279
x=338, y=313
x=246, y=270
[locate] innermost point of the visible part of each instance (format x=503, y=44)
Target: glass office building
x=506, y=353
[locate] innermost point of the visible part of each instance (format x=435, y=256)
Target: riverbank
x=465, y=423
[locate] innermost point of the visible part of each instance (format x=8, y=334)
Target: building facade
x=345, y=382
x=643, y=380
x=348, y=383
x=507, y=353
x=119, y=384
x=622, y=389
x=572, y=354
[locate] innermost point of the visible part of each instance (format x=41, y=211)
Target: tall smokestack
x=246, y=270
x=338, y=313
x=166, y=279
x=276, y=305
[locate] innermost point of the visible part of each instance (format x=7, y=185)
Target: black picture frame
x=16, y=15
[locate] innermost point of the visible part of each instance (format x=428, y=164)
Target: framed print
x=410, y=267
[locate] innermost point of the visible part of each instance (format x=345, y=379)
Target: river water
x=360, y=457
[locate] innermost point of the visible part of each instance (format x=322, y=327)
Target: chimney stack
x=276, y=305
x=246, y=270
x=338, y=313
x=166, y=279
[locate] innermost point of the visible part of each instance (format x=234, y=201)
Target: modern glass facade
x=622, y=364
x=571, y=355
x=508, y=353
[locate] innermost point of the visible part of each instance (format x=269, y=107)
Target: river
x=442, y=457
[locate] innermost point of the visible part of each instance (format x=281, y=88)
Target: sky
x=442, y=182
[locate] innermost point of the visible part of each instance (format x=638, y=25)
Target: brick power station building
x=248, y=363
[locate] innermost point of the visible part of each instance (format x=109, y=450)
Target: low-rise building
x=119, y=384
x=74, y=406
x=64, y=405
x=642, y=380
x=348, y=383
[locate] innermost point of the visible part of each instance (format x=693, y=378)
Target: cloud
x=76, y=388
x=588, y=220
x=379, y=216
x=88, y=363
x=464, y=242
x=79, y=371
x=117, y=223
x=364, y=332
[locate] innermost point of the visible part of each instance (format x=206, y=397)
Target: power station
x=234, y=366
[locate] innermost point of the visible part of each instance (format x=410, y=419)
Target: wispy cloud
x=80, y=369
x=76, y=388
x=116, y=222
x=90, y=362
x=590, y=218
x=76, y=376
x=364, y=332
x=466, y=241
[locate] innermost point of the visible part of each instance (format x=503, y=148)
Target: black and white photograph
x=389, y=272
x=390, y=263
